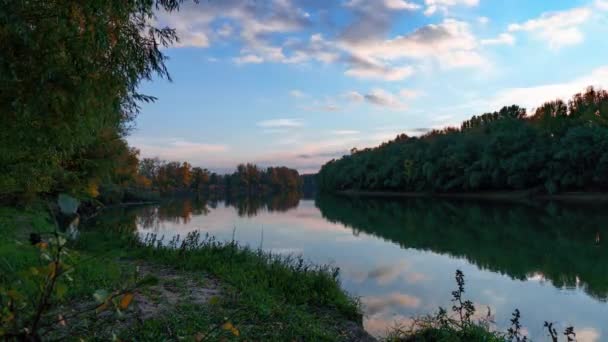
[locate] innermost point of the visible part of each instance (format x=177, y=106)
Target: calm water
x=548, y=260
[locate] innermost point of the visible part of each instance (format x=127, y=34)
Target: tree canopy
x=560, y=147
x=68, y=89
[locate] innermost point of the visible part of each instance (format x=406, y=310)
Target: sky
x=298, y=82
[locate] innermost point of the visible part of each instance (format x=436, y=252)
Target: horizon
x=315, y=79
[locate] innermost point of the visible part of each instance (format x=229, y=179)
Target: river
x=549, y=260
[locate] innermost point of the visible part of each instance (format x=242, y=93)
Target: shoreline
x=518, y=196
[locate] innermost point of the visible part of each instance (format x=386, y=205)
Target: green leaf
x=61, y=290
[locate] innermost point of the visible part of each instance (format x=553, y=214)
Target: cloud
x=256, y=23
x=433, y=6
x=502, y=39
x=281, y=123
x=451, y=43
x=353, y=96
x=225, y=31
x=297, y=93
x=248, y=59
x=534, y=96
x=177, y=148
x=373, y=18
x=587, y=335
x=328, y=107
x=381, y=97
x=345, y=132
x=483, y=20
x=377, y=304
x=372, y=69
x=601, y=5
x=559, y=29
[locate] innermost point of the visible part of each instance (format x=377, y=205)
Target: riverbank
x=516, y=196
x=196, y=288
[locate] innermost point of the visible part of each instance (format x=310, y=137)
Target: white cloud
x=483, y=20
x=248, y=59
x=281, y=123
x=345, y=132
x=353, y=96
x=601, y=5
x=298, y=93
x=376, y=304
x=394, y=5
x=433, y=6
x=502, y=39
x=450, y=42
x=532, y=97
x=256, y=22
x=559, y=29
x=401, y=5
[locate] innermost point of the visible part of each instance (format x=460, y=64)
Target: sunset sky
x=299, y=82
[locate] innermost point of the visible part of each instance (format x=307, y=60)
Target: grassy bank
x=194, y=289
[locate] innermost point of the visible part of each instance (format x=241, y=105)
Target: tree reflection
x=181, y=211
x=559, y=242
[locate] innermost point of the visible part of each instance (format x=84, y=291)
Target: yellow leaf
x=230, y=327
x=126, y=300
x=42, y=245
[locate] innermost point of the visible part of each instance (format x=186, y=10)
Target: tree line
x=559, y=147
x=168, y=177
x=69, y=75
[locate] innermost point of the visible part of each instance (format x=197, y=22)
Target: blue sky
x=299, y=82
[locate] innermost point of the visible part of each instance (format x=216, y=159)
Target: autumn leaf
x=230, y=327
x=126, y=300
x=42, y=245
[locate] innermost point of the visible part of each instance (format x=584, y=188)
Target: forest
x=559, y=147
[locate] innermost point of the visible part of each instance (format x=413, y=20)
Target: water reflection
x=560, y=244
x=180, y=211
x=547, y=260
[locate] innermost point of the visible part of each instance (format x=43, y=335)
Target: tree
x=68, y=79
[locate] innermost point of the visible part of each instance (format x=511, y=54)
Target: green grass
x=265, y=297
x=473, y=333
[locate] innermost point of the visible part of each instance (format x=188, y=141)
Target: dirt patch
x=173, y=287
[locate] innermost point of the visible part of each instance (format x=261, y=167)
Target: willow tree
x=69, y=72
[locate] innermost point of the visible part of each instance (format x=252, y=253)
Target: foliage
x=32, y=294
x=175, y=177
x=560, y=147
x=68, y=89
x=461, y=327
